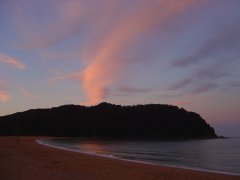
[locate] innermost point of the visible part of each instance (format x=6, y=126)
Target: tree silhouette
x=109, y=121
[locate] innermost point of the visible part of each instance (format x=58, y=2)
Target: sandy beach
x=28, y=160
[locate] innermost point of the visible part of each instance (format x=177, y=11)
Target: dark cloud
x=235, y=85
x=193, y=85
x=231, y=85
x=222, y=44
x=181, y=84
x=202, y=79
x=210, y=74
x=201, y=88
x=214, y=71
x=130, y=89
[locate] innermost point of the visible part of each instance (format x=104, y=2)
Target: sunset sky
x=180, y=52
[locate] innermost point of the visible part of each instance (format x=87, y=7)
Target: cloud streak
x=113, y=32
x=108, y=62
x=11, y=61
x=203, y=87
x=204, y=79
x=181, y=84
x=222, y=42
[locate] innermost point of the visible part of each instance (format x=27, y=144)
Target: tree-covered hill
x=108, y=121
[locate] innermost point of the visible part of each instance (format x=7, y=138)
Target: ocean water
x=216, y=155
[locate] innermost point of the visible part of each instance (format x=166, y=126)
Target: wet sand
x=28, y=160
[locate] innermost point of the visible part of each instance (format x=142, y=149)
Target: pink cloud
x=113, y=31
x=11, y=61
x=108, y=62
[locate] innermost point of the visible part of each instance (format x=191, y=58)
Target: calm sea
x=221, y=155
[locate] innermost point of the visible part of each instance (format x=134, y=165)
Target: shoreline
x=30, y=160
x=40, y=141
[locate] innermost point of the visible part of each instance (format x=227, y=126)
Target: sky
x=184, y=53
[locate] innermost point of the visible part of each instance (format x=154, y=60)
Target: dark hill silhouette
x=108, y=121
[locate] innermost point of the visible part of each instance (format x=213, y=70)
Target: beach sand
x=28, y=160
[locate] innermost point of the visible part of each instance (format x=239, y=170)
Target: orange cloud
x=4, y=96
x=12, y=61
x=108, y=62
x=111, y=30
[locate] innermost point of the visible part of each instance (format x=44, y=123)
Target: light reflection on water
x=212, y=154
x=93, y=147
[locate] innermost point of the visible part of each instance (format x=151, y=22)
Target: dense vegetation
x=108, y=121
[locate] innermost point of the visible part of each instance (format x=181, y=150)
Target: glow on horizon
x=184, y=53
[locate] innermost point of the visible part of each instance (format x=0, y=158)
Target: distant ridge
x=105, y=120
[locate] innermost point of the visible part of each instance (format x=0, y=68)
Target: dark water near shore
x=212, y=155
